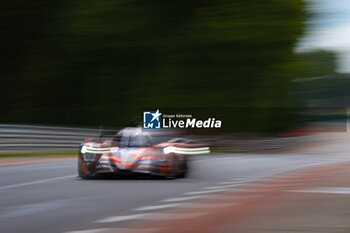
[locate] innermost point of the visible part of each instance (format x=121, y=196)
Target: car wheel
x=183, y=169
x=83, y=171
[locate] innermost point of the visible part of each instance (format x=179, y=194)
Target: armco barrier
x=15, y=137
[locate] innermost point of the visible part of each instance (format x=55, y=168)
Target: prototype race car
x=132, y=151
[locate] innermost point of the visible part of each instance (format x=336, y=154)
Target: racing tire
x=180, y=170
x=183, y=170
x=84, y=175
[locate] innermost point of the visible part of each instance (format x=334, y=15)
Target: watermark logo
x=152, y=120
x=157, y=120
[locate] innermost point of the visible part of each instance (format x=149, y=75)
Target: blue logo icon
x=151, y=120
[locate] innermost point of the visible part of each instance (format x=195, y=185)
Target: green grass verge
x=32, y=154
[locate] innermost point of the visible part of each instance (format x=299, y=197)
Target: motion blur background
x=83, y=62
x=276, y=72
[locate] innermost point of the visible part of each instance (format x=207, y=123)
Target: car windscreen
x=136, y=141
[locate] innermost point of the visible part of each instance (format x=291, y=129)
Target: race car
x=133, y=151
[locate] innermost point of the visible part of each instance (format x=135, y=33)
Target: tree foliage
x=86, y=62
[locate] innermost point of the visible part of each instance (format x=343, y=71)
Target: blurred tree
x=318, y=85
x=84, y=61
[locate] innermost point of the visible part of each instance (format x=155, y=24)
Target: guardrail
x=19, y=138
x=260, y=144
x=34, y=138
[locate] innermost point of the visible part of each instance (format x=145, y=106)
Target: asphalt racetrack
x=48, y=196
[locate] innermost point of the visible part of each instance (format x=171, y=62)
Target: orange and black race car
x=132, y=151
